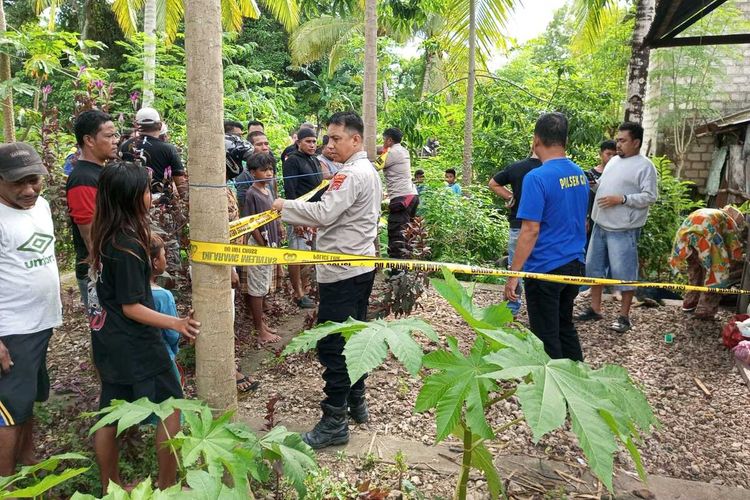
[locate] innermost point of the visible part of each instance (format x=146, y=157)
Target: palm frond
x=316, y=38
x=40, y=5
x=592, y=16
x=586, y=40
x=491, y=18
x=169, y=14
x=126, y=13
x=285, y=12
x=338, y=51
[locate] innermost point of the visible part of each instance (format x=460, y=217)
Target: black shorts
x=27, y=380
x=157, y=389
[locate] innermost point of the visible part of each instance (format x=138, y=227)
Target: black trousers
x=401, y=211
x=550, y=307
x=339, y=301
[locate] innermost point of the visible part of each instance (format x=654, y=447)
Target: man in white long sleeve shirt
x=347, y=217
x=624, y=193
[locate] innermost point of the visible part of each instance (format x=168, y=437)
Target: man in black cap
x=30, y=304
x=301, y=175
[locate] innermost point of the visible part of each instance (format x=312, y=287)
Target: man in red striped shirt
x=97, y=139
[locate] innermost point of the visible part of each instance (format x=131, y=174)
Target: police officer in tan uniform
x=347, y=221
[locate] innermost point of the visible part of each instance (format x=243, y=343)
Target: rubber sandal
x=254, y=384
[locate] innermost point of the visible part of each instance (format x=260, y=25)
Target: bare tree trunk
x=430, y=57
x=638, y=67
x=149, y=52
x=9, y=127
x=209, y=220
x=370, y=90
x=469, y=121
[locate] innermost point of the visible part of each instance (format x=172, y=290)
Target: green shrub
x=463, y=229
x=664, y=219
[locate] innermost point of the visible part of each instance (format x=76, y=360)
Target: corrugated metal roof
x=724, y=122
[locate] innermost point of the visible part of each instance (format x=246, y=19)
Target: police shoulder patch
x=337, y=181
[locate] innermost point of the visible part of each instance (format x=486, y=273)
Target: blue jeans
x=616, y=252
x=514, y=306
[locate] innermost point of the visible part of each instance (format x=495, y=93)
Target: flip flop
x=254, y=384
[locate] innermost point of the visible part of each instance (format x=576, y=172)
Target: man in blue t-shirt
x=553, y=234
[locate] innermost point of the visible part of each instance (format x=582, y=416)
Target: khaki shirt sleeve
x=341, y=195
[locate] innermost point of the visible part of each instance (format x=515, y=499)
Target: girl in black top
x=129, y=352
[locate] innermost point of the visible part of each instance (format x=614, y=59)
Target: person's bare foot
x=245, y=383
x=269, y=329
x=266, y=337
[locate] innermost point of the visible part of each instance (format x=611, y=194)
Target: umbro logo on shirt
x=38, y=242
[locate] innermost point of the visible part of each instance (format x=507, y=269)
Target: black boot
x=332, y=429
x=358, y=406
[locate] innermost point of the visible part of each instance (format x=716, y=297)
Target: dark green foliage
x=664, y=219
x=269, y=34
x=467, y=230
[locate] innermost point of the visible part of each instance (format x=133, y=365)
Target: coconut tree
x=165, y=15
x=370, y=89
x=211, y=284
x=9, y=129
x=592, y=15
x=469, y=120
x=457, y=32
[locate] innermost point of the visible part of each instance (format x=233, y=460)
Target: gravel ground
x=701, y=438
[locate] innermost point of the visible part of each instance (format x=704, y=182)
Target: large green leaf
x=481, y=458
x=297, y=458
x=456, y=385
x=603, y=405
x=367, y=343
x=461, y=299
x=208, y=439
x=47, y=483
x=308, y=339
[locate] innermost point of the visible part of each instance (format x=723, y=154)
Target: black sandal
x=254, y=384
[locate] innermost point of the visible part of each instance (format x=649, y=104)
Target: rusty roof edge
x=723, y=122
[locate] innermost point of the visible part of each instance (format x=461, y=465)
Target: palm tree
x=9, y=128
x=370, y=89
x=165, y=16
x=469, y=121
x=211, y=284
x=454, y=29
x=591, y=15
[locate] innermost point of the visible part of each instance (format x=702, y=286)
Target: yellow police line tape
x=249, y=224
x=247, y=255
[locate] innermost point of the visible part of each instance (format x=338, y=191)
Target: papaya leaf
x=45, y=484
x=365, y=351
x=296, y=456
x=481, y=459
x=367, y=343
x=126, y=414
x=456, y=385
x=602, y=404
x=143, y=491
x=206, y=486
x=477, y=317
x=406, y=326
x=626, y=395
x=208, y=439
x=308, y=339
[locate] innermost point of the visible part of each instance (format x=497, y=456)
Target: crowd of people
x=562, y=221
